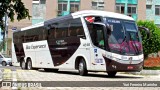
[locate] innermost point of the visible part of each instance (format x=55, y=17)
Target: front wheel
x=82, y=68
x=111, y=74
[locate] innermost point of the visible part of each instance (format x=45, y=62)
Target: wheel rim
x=29, y=64
x=23, y=64
x=80, y=66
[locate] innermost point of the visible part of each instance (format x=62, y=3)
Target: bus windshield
x=125, y=38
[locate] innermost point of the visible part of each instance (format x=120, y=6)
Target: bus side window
x=76, y=28
x=52, y=32
x=80, y=32
x=44, y=34
x=73, y=31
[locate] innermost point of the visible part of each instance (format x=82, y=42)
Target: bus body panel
x=62, y=52
x=39, y=53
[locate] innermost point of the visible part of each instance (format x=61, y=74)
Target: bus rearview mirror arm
x=107, y=26
x=146, y=30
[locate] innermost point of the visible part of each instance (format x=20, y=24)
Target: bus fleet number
x=86, y=44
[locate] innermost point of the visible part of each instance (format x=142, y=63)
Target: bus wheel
x=111, y=74
x=29, y=65
x=23, y=64
x=82, y=68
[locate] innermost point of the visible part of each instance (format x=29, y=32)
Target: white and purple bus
x=87, y=41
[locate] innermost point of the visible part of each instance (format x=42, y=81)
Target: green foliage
x=151, y=68
x=151, y=45
x=12, y=8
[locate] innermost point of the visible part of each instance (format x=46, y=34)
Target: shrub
x=151, y=45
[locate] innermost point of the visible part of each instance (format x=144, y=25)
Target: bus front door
x=97, y=60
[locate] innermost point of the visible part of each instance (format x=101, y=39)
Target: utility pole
x=126, y=8
x=68, y=6
x=5, y=29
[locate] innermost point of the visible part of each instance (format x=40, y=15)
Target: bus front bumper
x=112, y=65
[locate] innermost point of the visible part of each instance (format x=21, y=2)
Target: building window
x=62, y=6
x=38, y=11
x=74, y=6
x=157, y=10
x=98, y=4
x=120, y=8
x=148, y=6
x=132, y=9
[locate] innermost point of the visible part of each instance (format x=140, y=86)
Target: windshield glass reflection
x=124, y=38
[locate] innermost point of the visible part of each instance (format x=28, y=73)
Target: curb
x=146, y=72
x=1, y=73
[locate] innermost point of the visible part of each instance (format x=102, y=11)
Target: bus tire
x=82, y=67
x=112, y=74
x=29, y=65
x=23, y=64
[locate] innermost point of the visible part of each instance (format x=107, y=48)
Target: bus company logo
x=90, y=19
x=61, y=42
x=130, y=60
x=35, y=46
x=6, y=84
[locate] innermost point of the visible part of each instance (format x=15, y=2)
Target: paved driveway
x=64, y=78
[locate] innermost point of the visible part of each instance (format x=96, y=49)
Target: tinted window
x=76, y=28
x=118, y=31
x=62, y=29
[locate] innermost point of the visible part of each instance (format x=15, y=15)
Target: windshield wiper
x=124, y=39
x=134, y=46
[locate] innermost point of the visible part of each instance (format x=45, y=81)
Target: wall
x=141, y=9
x=51, y=11
x=109, y=5
x=126, y=2
x=150, y=14
x=85, y=4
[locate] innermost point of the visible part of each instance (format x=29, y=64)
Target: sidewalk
x=1, y=73
x=146, y=72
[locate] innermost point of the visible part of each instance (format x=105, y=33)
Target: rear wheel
x=29, y=65
x=111, y=74
x=82, y=68
x=23, y=64
x=4, y=63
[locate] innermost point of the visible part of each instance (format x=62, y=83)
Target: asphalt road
x=13, y=68
x=70, y=78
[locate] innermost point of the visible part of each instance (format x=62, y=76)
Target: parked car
x=5, y=60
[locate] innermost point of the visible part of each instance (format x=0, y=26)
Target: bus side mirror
x=108, y=27
x=146, y=30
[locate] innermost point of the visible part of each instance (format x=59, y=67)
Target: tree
x=151, y=45
x=11, y=8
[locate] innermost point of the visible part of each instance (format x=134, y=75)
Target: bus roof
x=82, y=13
x=101, y=13
x=33, y=26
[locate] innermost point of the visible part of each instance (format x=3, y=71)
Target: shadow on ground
x=94, y=74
